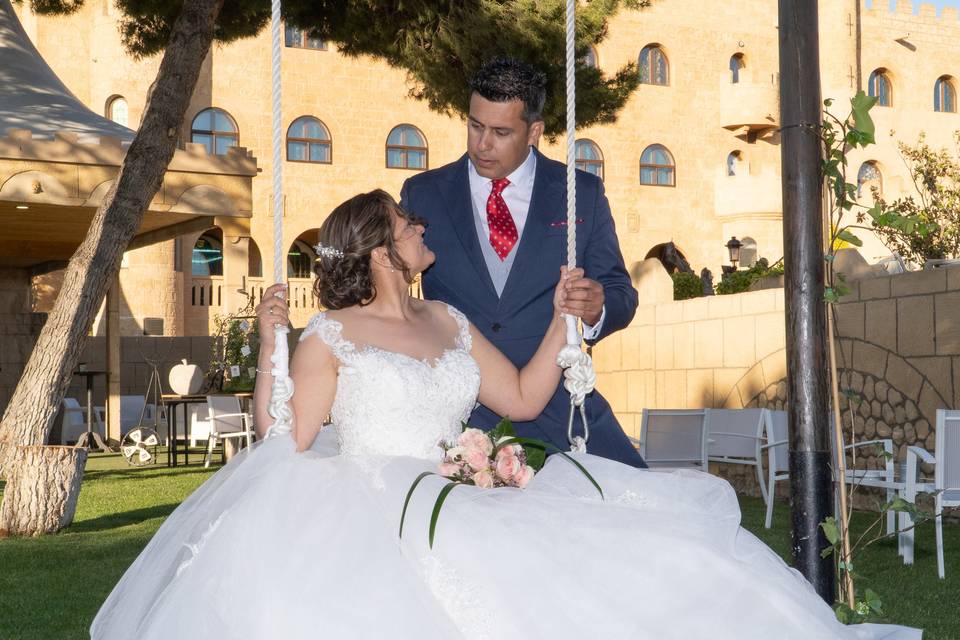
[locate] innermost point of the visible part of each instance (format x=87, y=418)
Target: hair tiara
x=325, y=251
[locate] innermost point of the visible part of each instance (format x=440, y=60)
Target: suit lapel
x=459, y=206
x=546, y=202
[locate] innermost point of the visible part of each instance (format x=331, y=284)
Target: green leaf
x=826, y=552
x=546, y=446
x=830, y=295
x=861, y=105
x=830, y=530
x=536, y=457
x=504, y=429
x=847, y=236
x=406, y=501
x=873, y=601
x=436, y=508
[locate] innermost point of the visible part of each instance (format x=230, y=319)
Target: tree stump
x=42, y=487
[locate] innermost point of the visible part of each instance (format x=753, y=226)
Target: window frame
x=943, y=83
x=215, y=135
x=310, y=141
x=304, y=38
x=405, y=149
x=652, y=49
x=589, y=161
x=658, y=167
x=873, y=88
x=735, y=72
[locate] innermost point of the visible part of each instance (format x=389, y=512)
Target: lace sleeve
x=329, y=331
x=464, y=339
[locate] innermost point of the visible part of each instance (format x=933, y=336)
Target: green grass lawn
x=51, y=587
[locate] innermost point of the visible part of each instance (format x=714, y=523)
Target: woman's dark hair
x=356, y=228
x=506, y=79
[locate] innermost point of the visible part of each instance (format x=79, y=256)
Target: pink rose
x=507, y=466
x=449, y=469
x=453, y=452
x=523, y=476
x=483, y=479
x=477, y=459
x=509, y=450
x=476, y=439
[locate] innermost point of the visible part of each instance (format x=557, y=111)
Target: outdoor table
x=91, y=439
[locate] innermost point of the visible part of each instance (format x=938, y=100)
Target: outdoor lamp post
x=734, y=246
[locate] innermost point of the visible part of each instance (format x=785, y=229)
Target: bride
x=298, y=537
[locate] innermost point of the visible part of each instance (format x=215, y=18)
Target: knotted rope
x=579, y=378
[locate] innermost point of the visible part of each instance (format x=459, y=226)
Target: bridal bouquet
x=497, y=458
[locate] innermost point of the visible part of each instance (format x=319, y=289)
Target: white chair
x=736, y=436
x=946, y=480
x=130, y=410
x=674, y=438
x=75, y=422
x=227, y=421
x=777, y=446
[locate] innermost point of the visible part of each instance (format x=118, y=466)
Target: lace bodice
x=389, y=403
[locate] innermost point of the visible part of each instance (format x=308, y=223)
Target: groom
x=496, y=219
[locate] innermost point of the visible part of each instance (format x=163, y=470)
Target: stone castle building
x=694, y=156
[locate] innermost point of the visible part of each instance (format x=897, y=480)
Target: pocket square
x=563, y=223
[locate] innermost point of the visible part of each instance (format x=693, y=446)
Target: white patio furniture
x=946, y=481
x=131, y=407
x=736, y=436
x=76, y=423
x=777, y=446
x=674, y=438
x=227, y=421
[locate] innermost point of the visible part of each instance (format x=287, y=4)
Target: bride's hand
x=560, y=294
x=272, y=311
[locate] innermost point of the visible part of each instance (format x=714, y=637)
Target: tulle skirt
x=285, y=545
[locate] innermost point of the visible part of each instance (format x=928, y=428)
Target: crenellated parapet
x=916, y=19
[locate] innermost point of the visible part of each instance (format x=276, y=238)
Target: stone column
x=113, y=360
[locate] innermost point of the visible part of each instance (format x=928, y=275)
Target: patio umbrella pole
x=810, y=482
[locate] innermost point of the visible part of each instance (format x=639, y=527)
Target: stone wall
x=899, y=353
x=18, y=329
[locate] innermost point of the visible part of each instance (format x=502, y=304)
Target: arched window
x=309, y=141
x=207, y=259
x=301, y=39
x=216, y=130
x=944, y=95
x=879, y=87
x=736, y=63
x=406, y=148
x=654, y=68
x=589, y=158
x=300, y=259
x=657, y=167
x=748, y=252
x=590, y=60
x=733, y=162
x=118, y=111
x=254, y=260
x=869, y=178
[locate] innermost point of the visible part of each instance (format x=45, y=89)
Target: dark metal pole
x=810, y=482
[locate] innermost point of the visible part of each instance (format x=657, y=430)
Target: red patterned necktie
x=503, y=231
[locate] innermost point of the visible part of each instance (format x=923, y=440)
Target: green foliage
x=927, y=225
x=686, y=286
x=740, y=281
x=236, y=342
x=439, y=44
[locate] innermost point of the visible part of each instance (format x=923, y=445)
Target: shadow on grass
x=122, y=518
x=142, y=473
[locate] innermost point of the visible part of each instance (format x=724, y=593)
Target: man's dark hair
x=506, y=79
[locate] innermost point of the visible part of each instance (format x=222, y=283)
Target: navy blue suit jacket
x=516, y=321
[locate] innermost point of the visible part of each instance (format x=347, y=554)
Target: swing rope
x=579, y=378
x=282, y=389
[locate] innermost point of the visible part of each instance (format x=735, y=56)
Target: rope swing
x=579, y=377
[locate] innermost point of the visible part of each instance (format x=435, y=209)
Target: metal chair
x=674, y=438
x=227, y=421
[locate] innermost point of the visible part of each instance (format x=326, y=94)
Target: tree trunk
x=29, y=416
x=41, y=495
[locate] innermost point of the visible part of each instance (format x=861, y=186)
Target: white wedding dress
x=286, y=545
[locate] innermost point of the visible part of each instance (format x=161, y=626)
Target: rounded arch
x=869, y=178
x=737, y=63
x=206, y=258
x=309, y=140
x=945, y=95
x=589, y=157
x=654, y=65
x=734, y=162
x=748, y=252
x=254, y=259
x=880, y=86
x=301, y=256
x=657, y=167
x=117, y=110
x=407, y=148
x=204, y=199
x=34, y=187
x=215, y=129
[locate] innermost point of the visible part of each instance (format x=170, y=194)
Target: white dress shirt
x=517, y=196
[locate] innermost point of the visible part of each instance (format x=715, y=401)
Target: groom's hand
x=584, y=299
